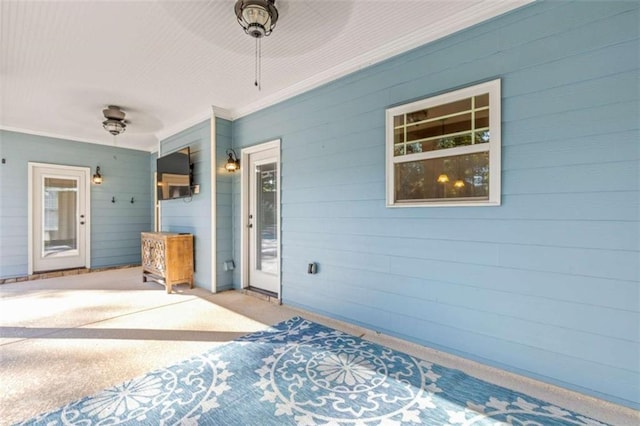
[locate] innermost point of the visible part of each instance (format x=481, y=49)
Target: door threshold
x=267, y=295
x=50, y=271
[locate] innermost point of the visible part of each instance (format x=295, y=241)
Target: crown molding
x=197, y=119
x=183, y=125
x=48, y=134
x=70, y=138
x=221, y=113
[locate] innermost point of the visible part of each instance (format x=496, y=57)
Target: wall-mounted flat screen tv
x=174, y=175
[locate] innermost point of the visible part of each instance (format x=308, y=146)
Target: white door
x=262, y=222
x=59, y=207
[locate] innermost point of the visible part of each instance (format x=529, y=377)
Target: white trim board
x=214, y=215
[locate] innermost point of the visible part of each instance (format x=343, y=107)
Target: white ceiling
x=166, y=63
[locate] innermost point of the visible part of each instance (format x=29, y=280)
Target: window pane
x=446, y=126
x=398, y=120
x=439, y=143
x=398, y=135
x=267, y=212
x=456, y=177
x=453, y=141
x=482, y=118
x=439, y=111
x=482, y=100
x=59, y=231
x=483, y=137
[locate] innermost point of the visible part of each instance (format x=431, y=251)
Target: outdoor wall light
x=97, y=177
x=233, y=163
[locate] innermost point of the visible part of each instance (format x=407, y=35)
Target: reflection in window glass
x=455, y=177
x=59, y=230
x=460, y=123
x=267, y=212
x=440, y=111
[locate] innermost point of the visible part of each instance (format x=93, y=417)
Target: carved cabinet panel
x=167, y=258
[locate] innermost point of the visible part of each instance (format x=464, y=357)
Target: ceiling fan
x=114, y=123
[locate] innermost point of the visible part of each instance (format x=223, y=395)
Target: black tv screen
x=174, y=175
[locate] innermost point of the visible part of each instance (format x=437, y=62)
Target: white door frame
x=244, y=211
x=87, y=194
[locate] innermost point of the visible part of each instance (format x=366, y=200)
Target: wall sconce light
x=443, y=178
x=97, y=177
x=233, y=163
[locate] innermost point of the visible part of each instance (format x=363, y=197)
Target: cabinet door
x=153, y=255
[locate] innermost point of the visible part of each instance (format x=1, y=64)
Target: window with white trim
x=445, y=150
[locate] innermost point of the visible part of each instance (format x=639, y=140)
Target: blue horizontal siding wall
x=193, y=215
x=223, y=217
x=153, y=164
x=115, y=227
x=546, y=285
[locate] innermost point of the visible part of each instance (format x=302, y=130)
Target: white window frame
x=492, y=147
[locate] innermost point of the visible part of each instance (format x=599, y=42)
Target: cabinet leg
x=168, y=288
x=191, y=282
x=144, y=278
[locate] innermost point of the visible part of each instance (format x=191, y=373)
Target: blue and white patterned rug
x=300, y=372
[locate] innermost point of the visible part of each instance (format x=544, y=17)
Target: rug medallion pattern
x=300, y=372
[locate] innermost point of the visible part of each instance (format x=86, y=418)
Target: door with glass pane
x=60, y=217
x=263, y=221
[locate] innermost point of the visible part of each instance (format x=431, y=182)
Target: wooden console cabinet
x=167, y=258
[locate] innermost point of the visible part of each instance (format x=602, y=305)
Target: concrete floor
x=68, y=337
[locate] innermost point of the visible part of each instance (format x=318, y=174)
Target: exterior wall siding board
x=551, y=234
x=572, y=151
x=546, y=285
x=587, y=178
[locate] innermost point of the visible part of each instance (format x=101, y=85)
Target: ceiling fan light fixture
x=257, y=17
x=114, y=122
x=114, y=127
